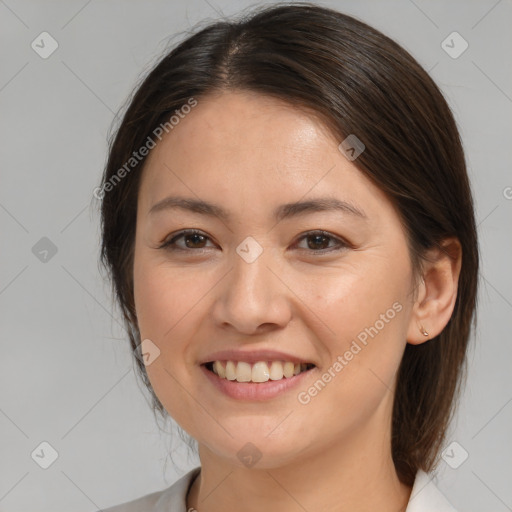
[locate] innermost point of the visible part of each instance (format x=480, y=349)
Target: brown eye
x=318, y=242
x=193, y=240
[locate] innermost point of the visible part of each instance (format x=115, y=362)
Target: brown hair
x=360, y=82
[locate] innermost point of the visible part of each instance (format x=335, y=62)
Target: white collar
x=426, y=497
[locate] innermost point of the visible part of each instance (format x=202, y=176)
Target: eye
x=317, y=242
x=193, y=240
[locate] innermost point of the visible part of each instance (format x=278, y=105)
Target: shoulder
x=172, y=499
x=426, y=497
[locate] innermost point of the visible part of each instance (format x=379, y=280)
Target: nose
x=252, y=297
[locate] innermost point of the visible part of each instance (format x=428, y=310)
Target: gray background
x=66, y=374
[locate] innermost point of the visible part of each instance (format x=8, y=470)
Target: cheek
x=356, y=298
x=162, y=296
x=367, y=312
x=163, y=301
x=363, y=354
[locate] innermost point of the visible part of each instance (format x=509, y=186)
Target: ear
x=436, y=292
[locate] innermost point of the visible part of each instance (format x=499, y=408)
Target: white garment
x=425, y=497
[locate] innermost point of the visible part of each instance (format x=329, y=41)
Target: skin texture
x=249, y=154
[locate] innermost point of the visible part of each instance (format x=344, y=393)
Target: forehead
x=249, y=149
x=232, y=125
x=236, y=119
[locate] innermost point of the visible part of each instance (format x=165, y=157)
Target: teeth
x=288, y=369
x=276, y=370
x=230, y=370
x=243, y=372
x=219, y=369
x=258, y=372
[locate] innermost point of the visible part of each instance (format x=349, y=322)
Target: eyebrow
x=284, y=211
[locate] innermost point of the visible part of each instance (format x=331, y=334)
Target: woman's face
x=253, y=287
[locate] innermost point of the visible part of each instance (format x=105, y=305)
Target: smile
x=258, y=372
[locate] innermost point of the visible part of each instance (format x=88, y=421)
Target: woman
x=289, y=228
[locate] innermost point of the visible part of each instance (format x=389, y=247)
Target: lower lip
x=255, y=390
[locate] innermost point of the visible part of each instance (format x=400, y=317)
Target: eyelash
x=170, y=244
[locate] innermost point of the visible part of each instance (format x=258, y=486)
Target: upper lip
x=253, y=356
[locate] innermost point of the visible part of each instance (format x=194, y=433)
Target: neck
x=356, y=474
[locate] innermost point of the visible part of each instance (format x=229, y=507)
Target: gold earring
x=423, y=331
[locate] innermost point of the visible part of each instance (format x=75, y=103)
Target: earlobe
x=438, y=291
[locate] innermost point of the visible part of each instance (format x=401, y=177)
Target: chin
x=253, y=448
